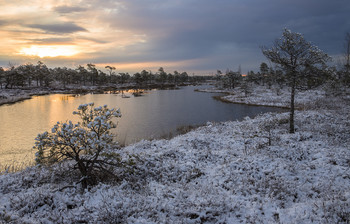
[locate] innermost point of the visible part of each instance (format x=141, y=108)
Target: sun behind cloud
x=49, y=51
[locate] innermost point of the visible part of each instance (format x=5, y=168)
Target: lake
x=155, y=114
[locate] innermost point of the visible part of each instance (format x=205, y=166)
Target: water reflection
x=155, y=114
x=65, y=97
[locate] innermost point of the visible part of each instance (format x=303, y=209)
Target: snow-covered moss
x=219, y=173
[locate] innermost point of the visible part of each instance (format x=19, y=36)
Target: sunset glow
x=49, y=51
x=197, y=36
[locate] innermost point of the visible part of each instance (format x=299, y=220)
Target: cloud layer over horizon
x=187, y=35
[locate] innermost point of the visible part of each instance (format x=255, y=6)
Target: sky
x=197, y=36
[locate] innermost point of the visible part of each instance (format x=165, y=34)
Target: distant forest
x=39, y=75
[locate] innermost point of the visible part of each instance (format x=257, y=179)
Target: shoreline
x=222, y=99
x=165, y=135
x=268, y=97
x=11, y=96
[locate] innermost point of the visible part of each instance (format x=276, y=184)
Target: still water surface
x=154, y=114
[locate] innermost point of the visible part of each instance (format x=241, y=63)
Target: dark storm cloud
x=63, y=40
x=3, y=22
x=68, y=9
x=181, y=30
x=200, y=34
x=58, y=28
x=50, y=41
x=94, y=40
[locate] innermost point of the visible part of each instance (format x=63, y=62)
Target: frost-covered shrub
x=88, y=142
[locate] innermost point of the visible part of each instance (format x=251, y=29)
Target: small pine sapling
x=89, y=142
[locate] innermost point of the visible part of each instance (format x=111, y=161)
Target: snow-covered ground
x=8, y=96
x=220, y=173
x=15, y=95
x=264, y=96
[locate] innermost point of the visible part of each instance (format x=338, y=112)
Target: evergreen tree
x=299, y=59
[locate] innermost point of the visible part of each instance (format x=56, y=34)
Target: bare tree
x=346, y=74
x=297, y=58
x=83, y=73
x=2, y=76
x=93, y=73
x=347, y=52
x=264, y=69
x=111, y=70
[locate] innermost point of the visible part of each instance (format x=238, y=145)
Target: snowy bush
x=88, y=143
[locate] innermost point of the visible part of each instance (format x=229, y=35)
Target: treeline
x=335, y=80
x=268, y=76
x=287, y=72
x=39, y=75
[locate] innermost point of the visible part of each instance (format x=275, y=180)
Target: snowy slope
x=273, y=96
x=219, y=173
